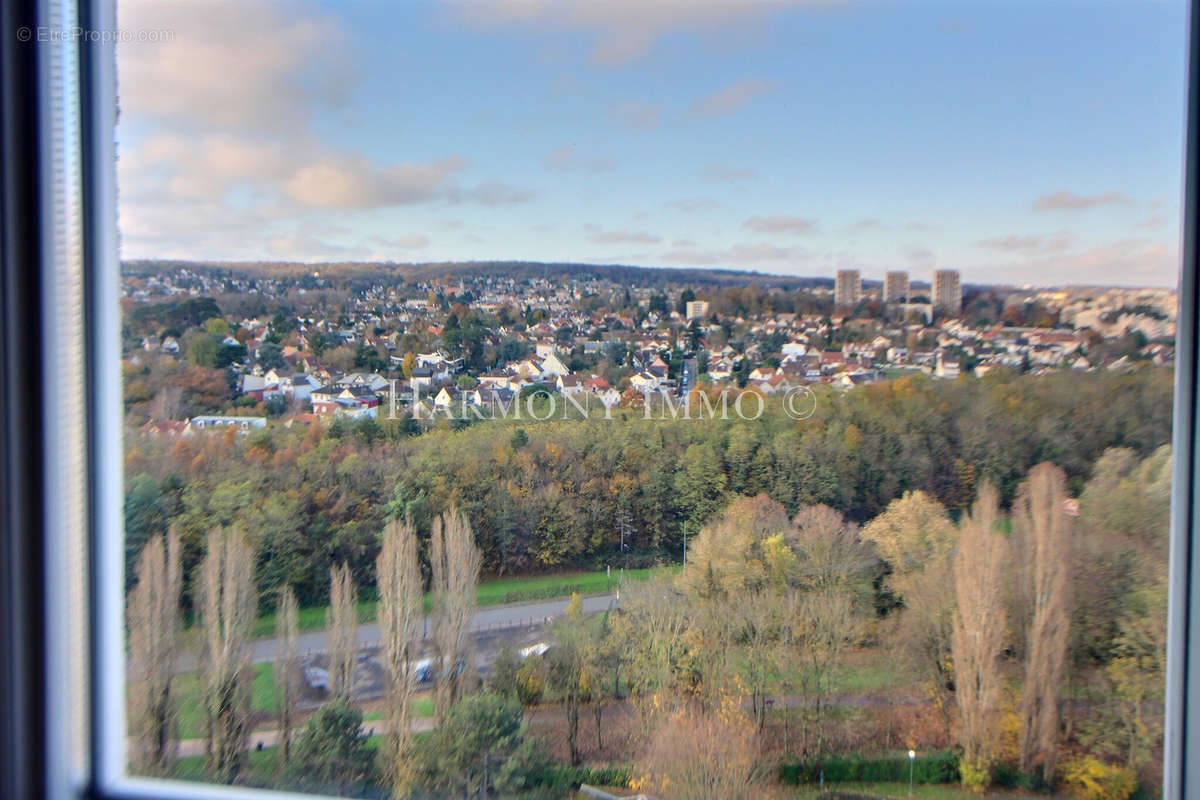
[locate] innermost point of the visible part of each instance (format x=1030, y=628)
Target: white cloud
x=723, y=173
x=780, y=224
x=1132, y=261
x=1035, y=243
x=919, y=256
x=351, y=181
x=731, y=98
x=414, y=241
x=624, y=30
x=233, y=66
x=568, y=157
x=690, y=204
x=1070, y=201
x=867, y=224
x=496, y=193
x=601, y=236
x=744, y=254
x=635, y=114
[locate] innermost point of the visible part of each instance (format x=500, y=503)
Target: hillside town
x=322, y=346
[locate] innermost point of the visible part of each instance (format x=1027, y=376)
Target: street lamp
x=912, y=760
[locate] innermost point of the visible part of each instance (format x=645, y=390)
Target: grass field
x=899, y=791
x=422, y=706
x=191, y=715
x=494, y=592
x=260, y=766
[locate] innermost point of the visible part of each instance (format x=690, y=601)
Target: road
x=488, y=618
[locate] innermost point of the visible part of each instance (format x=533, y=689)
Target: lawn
x=869, y=672
x=191, y=714
x=942, y=791
x=260, y=768
x=422, y=706
x=494, y=592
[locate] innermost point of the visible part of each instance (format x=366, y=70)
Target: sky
x=1020, y=142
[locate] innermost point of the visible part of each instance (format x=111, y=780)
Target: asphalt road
x=488, y=618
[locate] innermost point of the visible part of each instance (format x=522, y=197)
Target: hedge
x=544, y=593
x=940, y=766
x=567, y=778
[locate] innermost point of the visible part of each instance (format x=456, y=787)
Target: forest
x=566, y=493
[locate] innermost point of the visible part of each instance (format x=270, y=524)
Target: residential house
x=242, y=424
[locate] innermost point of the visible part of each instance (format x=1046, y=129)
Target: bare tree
x=979, y=627
x=227, y=610
x=653, y=631
x=341, y=620
x=455, y=563
x=712, y=756
x=834, y=595
x=1044, y=532
x=398, y=577
x=916, y=538
x=153, y=616
x=287, y=669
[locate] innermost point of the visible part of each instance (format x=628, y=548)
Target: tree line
x=568, y=494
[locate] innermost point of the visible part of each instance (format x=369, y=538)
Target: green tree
x=201, y=349
x=331, y=753
x=503, y=676
x=700, y=483
x=270, y=356
x=479, y=749
x=566, y=665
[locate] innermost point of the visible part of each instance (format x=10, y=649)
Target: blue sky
x=1020, y=142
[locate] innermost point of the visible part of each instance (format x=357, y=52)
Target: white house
x=946, y=367
x=243, y=424
x=644, y=382
x=571, y=384
x=373, y=380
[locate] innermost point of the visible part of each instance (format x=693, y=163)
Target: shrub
x=566, y=778
x=974, y=776
x=481, y=746
x=331, y=754
x=1089, y=778
x=937, y=767
x=543, y=593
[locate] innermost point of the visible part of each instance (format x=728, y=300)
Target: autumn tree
x=1120, y=589
x=651, y=628
x=227, y=614
x=287, y=669
x=341, y=620
x=398, y=578
x=916, y=539
x=978, y=633
x=566, y=669
x=1043, y=529
x=153, y=617
x=710, y=756
x=831, y=600
x=725, y=557
x=455, y=562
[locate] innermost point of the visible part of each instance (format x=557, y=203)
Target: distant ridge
x=518, y=270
